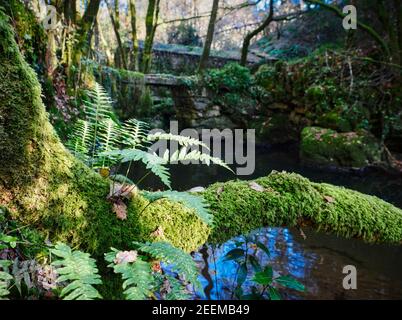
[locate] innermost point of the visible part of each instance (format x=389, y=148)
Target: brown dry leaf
x=158, y=233
x=120, y=209
x=118, y=190
x=329, y=199
x=126, y=257
x=256, y=187
x=303, y=235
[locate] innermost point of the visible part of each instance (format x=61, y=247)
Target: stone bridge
x=186, y=98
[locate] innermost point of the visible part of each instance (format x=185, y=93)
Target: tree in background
x=133, y=15
x=210, y=37
x=151, y=23
x=114, y=14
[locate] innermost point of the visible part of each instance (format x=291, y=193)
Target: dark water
x=184, y=177
x=317, y=261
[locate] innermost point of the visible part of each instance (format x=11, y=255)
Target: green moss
x=46, y=188
x=328, y=147
x=290, y=200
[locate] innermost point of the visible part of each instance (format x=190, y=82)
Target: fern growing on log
x=138, y=280
x=134, y=133
x=180, y=261
x=79, y=270
x=192, y=201
x=5, y=277
x=153, y=163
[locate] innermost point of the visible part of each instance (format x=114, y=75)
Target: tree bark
x=116, y=28
x=151, y=23
x=210, y=36
x=133, y=14
x=84, y=27
x=252, y=34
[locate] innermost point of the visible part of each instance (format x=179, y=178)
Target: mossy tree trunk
x=133, y=14
x=44, y=187
x=151, y=23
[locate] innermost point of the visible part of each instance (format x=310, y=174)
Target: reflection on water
x=317, y=262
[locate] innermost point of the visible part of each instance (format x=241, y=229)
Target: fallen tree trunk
x=43, y=186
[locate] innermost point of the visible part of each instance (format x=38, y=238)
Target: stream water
x=316, y=261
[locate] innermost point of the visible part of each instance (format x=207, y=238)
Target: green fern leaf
x=191, y=201
x=177, y=290
x=5, y=278
x=180, y=261
x=79, y=270
x=80, y=140
x=152, y=162
x=134, y=133
x=182, y=140
x=182, y=155
x=138, y=280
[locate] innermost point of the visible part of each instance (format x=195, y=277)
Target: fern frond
x=177, y=290
x=191, y=201
x=80, y=140
x=100, y=106
x=137, y=276
x=79, y=270
x=134, y=133
x=181, y=262
x=195, y=155
x=152, y=162
x=109, y=140
x=182, y=140
x=5, y=278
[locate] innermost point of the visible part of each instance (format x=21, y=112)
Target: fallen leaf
x=158, y=233
x=118, y=190
x=329, y=199
x=256, y=187
x=120, y=209
x=303, y=235
x=156, y=267
x=126, y=257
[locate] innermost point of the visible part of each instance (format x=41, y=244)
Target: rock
x=328, y=147
x=196, y=190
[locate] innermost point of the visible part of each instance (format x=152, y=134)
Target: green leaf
x=242, y=274
x=290, y=282
x=254, y=263
x=234, y=254
x=79, y=270
x=263, y=248
x=152, y=161
x=180, y=261
x=273, y=294
x=137, y=276
x=264, y=277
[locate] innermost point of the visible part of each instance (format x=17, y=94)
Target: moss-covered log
x=45, y=187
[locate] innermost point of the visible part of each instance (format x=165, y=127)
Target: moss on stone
x=328, y=147
x=290, y=200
